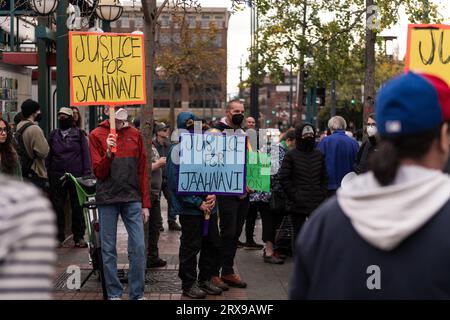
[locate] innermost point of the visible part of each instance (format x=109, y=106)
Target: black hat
x=29, y=107
x=17, y=118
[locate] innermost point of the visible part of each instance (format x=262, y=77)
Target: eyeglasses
x=3, y=131
x=371, y=124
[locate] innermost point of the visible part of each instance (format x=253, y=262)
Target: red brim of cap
x=443, y=92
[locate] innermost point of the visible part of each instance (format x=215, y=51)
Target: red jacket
x=122, y=178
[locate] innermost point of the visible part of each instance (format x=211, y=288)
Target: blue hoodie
x=182, y=205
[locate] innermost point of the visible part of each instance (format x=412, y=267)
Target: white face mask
x=371, y=131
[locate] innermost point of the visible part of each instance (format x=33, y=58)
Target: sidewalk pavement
x=265, y=281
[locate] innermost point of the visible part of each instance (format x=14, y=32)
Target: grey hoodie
x=385, y=216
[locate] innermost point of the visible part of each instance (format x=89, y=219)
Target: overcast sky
x=239, y=36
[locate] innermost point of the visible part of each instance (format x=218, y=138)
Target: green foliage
x=285, y=38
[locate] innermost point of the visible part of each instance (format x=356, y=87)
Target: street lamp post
x=44, y=8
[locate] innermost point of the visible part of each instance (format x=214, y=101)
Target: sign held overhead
x=106, y=68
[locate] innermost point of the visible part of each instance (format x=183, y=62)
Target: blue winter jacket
x=340, y=154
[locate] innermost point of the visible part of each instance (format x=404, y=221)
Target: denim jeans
x=132, y=218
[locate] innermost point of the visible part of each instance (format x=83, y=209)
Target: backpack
x=25, y=160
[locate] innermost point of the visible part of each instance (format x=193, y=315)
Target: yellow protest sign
x=106, y=68
x=428, y=50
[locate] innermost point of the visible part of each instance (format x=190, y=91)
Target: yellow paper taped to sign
x=106, y=68
x=428, y=50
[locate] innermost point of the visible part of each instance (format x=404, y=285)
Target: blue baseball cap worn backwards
x=412, y=103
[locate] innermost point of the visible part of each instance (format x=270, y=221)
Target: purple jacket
x=69, y=154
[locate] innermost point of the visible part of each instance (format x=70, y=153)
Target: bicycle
x=85, y=187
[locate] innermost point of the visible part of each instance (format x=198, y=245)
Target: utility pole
x=241, y=90
x=301, y=73
x=369, y=80
x=254, y=89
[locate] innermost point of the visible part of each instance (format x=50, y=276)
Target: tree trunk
x=172, y=102
x=149, y=10
x=369, y=80
x=301, y=73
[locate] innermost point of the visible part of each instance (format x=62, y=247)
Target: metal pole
x=106, y=26
x=62, y=57
x=43, y=82
x=290, y=97
x=12, y=7
x=254, y=90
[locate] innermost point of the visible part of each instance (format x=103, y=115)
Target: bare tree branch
x=160, y=9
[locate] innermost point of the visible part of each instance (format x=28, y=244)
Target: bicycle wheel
x=98, y=266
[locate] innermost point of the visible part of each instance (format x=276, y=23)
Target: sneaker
x=233, y=280
x=156, y=263
x=114, y=298
x=217, y=282
x=252, y=245
x=240, y=244
x=209, y=288
x=194, y=292
x=143, y=298
x=81, y=244
x=173, y=226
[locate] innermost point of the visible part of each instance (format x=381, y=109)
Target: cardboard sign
x=212, y=164
x=106, y=68
x=258, y=171
x=428, y=50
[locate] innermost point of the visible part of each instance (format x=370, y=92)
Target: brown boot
x=233, y=280
x=216, y=281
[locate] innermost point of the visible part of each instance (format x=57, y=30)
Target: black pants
x=171, y=216
x=153, y=227
x=192, y=243
x=250, y=221
x=232, y=214
x=297, y=223
x=270, y=222
x=58, y=194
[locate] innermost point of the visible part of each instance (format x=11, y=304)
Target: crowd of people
x=383, y=203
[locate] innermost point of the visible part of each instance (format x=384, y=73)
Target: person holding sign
x=232, y=209
x=199, y=231
x=122, y=188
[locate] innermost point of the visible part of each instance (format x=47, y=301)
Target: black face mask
x=38, y=117
x=307, y=144
x=237, y=119
x=65, y=124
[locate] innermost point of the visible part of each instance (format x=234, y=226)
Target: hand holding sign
x=112, y=127
x=110, y=144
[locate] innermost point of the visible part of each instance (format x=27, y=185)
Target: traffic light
x=353, y=100
x=321, y=93
x=274, y=112
x=268, y=121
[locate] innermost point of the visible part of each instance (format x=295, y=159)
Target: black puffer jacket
x=303, y=176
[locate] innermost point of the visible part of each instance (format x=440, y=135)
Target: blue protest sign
x=212, y=164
